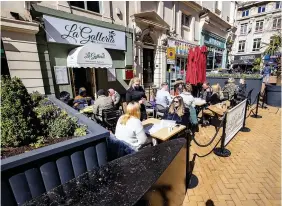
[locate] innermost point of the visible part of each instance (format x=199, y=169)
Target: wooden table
x=163, y=134
x=218, y=109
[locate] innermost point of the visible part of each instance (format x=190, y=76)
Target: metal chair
x=149, y=109
x=110, y=118
x=160, y=111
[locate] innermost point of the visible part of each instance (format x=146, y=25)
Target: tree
x=272, y=49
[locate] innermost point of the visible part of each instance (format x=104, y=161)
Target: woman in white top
x=130, y=129
x=187, y=96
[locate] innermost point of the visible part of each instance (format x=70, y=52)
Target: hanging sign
x=61, y=74
x=71, y=32
x=181, y=47
x=170, y=53
x=234, y=121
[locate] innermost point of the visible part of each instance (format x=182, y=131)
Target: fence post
x=222, y=151
x=188, y=140
x=244, y=128
x=256, y=114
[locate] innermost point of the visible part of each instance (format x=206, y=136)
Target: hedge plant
x=29, y=119
x=237, y=75
x=18, y=120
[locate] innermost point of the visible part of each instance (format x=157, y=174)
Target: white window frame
x=257, y=42
x=242, y=46
x=263, y=6
x=245, y=12
x=259, y=26
x=86, y=9
x=244, y=30
x=183, y=20
x=276, y=20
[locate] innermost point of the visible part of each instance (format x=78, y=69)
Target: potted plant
x=273, y=92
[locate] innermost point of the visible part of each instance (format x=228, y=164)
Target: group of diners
x=176, y=107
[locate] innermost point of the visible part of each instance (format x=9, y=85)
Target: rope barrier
x=200, y=145
x=252, y=104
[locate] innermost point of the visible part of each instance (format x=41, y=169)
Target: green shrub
x=62, y=126
x=244, y=76
x=36, y=97
x=80, y=131
x=18, y=121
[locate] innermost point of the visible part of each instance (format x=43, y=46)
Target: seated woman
x=177, y=111
x=130, y=129
x=188, y=98
x=217, y=95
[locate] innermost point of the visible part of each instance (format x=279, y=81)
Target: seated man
x=115, y=97
x=206, y=92
x=163, y=97
x=80, y=101
x=231, y=88
x=102, y=102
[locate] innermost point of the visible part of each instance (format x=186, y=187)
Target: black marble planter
x=251, y=84
x=30, y=174
x=273, y=95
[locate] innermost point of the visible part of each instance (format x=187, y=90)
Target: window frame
x=279, y=5
x=259, y=25
x=86, y=8
x=256, y=44
x=260, y=9
x=184, y=18
x=242, y=46
x=245, y=12
x=246, y=29
x=276, y=20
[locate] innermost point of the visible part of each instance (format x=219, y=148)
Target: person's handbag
x=193, y=115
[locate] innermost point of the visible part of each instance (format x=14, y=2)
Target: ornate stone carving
x=164, y=41
x=148, y=39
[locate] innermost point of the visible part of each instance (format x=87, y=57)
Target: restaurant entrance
x=83, y=77
x=148, y=66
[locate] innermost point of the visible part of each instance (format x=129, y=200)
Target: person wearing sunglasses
x=177, y=111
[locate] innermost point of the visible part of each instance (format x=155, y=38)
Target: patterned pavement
x=251, y=175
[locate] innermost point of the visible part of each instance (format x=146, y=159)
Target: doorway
x=84, y=77
x=148, y=66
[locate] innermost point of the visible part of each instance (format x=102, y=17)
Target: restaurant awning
x=89, y=55
x=242, y=62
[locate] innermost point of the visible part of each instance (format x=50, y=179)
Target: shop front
x=84, y=53
x=216, y=57
x=244, y=63
x=177, y=63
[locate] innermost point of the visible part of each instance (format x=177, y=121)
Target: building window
x=256, y=45
x=245, y=13
x=242, y=46
x=87, y=5
x=278, y=4
x=244, y=28
x=276, y=23
x=259, y=26
x=261, y=9
x=186, y=20
x=216, y=4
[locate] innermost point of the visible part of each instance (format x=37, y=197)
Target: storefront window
x=87, y=5
x=210, y=59
x=218, y=60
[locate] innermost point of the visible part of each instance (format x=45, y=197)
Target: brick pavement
x=251, y=175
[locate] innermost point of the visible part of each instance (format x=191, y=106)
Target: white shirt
x=163, y=97
x=132, y=132
x=188, y=99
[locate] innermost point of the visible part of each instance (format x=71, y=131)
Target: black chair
x=226, y=96
x=149, y=109
x=160, y=111
x=110, y=118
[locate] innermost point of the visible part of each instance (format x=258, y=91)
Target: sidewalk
x=251, y=175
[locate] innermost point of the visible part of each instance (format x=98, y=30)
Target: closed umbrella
x=203, y=64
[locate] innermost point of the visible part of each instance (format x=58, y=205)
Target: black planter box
x=252, y=83
x=30, y=174
x=273, y=95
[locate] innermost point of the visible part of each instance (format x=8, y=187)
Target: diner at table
x=188, y=98
x=115, y=97
x=136, y=93
x=163, y=97
x=103, y=102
